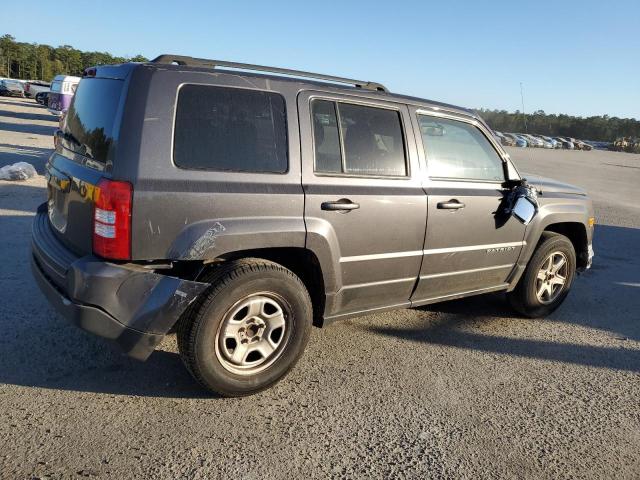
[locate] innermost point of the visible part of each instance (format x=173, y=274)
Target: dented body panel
x=131, y=305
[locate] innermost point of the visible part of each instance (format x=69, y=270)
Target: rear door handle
x=343, y=205
x=451, y=205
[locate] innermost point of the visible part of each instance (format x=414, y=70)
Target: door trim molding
x=463, y=272
x=380, y=256
x=469, y=248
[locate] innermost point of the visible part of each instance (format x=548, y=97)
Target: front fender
x=554, y=209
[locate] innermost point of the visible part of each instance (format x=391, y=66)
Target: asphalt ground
x=463, y=389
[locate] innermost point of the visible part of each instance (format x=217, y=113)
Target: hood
x=544, y=185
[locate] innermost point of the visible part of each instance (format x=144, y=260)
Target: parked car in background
x=504, y=140
x=566, y=143
x=63, y=87
x=600, y=145
x=32, y=88
x=531, y=140
x=519, y=141
x=554, y=143
x=43, y=98
x=11, y=88
x=545, y=143
x=580, y=145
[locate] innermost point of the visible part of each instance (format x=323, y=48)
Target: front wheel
x=248, y=330
x=547, y=279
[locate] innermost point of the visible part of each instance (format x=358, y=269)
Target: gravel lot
x=463, y=389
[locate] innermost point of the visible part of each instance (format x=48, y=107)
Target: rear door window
x=230, y=129
x=326, y=137
x=364, y=141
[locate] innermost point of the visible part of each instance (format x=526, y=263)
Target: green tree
x=598, y=128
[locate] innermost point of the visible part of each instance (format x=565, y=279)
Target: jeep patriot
x=239, y=205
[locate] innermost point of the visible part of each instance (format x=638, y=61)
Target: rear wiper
x=71, y=138
x=68, y=136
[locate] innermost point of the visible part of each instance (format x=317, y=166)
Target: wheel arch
x=560, y=215
x=301, y=261
x=576, y=232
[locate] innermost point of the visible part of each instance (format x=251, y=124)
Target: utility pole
x=524, y=116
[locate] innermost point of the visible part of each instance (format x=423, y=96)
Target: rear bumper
x=94, y=320
x=127, y=304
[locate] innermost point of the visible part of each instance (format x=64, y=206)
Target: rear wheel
x=248, y=330
x=547, y=279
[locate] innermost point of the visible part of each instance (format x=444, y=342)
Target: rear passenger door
x=471, y=245
x=365, y=209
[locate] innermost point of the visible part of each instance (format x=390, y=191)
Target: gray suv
x=239, y=209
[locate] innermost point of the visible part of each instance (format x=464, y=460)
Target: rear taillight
x=112, y=219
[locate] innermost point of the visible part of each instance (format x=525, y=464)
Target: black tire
x=524, y=298
x=199, y=340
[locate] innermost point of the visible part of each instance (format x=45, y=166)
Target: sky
x=576, y=57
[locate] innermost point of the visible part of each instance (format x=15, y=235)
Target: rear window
x=91, y=117
x=230, y=129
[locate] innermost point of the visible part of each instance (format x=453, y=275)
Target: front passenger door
x=470, y=246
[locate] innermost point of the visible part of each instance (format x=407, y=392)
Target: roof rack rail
x=203, y=62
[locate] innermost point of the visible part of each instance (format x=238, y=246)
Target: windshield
x=90, y=121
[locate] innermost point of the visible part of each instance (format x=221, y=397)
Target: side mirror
x=524, y=210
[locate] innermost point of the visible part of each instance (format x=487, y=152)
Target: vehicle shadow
x=39, y=348
x=37, y=156
x=19, y=101
x=46, y=117
x=29, y=128
x=606, y=298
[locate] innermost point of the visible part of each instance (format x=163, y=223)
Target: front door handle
x=451, y=205
x=343, y=205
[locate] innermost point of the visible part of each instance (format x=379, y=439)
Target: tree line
x=32, y=61
x=597, y=128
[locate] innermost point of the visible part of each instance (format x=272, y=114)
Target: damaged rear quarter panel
x=181, y=214
x=213, y=238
